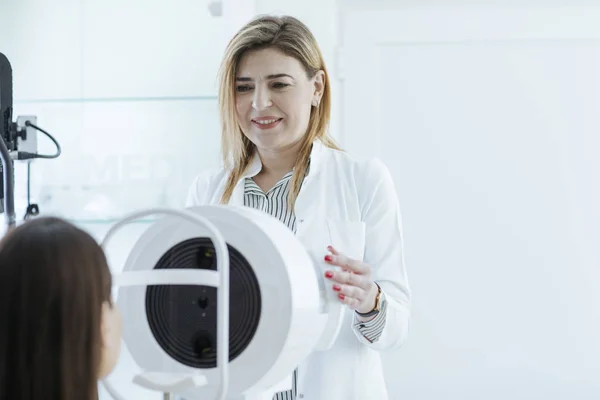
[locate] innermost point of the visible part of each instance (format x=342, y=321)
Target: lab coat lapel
x=237, y=197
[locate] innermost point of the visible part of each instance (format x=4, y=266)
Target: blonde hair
x=291, y=37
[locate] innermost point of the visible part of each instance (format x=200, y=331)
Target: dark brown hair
x=54, y=279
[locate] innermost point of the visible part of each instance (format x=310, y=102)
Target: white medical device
x=204, y=277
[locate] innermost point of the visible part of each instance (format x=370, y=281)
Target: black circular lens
x=183, y=318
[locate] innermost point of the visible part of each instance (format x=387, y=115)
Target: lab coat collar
x=316, y=156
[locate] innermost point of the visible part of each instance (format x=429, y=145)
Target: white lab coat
x=353, y=206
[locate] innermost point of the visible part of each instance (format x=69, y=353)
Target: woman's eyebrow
x=272, y=76
x=275, y=76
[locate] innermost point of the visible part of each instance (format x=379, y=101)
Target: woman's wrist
x=371, y=304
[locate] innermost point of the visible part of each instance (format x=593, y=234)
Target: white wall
x=130, y=97
x=488, y=119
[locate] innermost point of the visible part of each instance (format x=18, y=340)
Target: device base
x=169, y=383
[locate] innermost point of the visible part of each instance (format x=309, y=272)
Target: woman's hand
x=353, y=282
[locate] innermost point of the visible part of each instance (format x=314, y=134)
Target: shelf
x=114, y=100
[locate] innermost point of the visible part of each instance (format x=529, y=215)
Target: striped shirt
x=274, y=202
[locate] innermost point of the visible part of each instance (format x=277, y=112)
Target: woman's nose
x=261, y=100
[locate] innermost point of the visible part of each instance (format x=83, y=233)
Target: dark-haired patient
x=59, y=329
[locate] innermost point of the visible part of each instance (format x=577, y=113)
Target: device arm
x=184, y=277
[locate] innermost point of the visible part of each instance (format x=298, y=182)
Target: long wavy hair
x=290, y=36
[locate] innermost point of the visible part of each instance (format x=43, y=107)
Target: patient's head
x=59, y=330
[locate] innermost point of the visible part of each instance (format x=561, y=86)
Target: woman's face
x=111, y=338
x=274, y=97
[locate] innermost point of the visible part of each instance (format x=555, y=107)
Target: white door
x=489, y=120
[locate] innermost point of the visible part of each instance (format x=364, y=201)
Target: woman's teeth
x=266, y=122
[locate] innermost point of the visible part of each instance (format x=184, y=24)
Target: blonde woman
x=275, y=102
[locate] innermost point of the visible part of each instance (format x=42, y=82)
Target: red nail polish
x=329, y=274
x=328, y=258
x=337, y=288
x=341, y=296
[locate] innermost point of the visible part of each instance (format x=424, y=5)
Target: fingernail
x=328, y=258
x=337, y=288
x=329, y=274
x=330, y=248
x=341, y=296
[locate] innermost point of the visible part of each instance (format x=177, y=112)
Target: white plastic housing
x=295, y=319
x=30, y=143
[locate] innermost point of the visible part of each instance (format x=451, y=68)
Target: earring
x=315, y=103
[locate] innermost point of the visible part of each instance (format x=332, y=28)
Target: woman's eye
x=280, y=85
x=244, y=88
